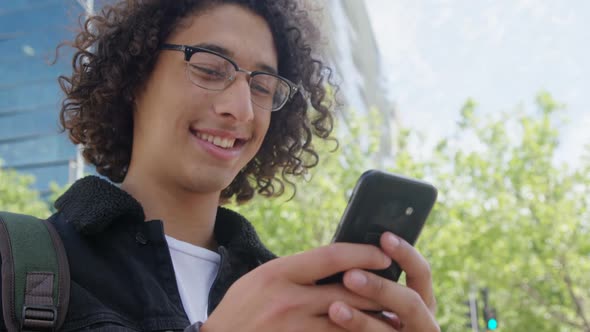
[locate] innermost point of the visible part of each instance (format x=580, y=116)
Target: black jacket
x=122, y=278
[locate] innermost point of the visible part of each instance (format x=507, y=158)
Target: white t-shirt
x=195, y=268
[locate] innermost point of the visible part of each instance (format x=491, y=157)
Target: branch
x=570, y=288
x=567, y=279
x=531, y=291
x=556, y=314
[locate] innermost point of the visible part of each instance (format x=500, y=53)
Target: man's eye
x=208, y=72
x=260, y=89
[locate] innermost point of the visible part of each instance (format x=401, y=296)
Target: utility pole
x=473, y=311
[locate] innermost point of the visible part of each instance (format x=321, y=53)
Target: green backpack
x=35, y=274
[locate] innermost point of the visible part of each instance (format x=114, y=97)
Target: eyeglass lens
x=213, y=72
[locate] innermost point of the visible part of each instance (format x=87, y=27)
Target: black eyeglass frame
x=190, y=50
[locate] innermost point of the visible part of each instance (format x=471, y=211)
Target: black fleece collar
x=91, y=204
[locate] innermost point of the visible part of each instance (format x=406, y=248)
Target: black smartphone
x=382, y=202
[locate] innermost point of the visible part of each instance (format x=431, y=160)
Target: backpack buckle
x=39, y=318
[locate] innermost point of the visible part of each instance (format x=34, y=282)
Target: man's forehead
x=235, y=32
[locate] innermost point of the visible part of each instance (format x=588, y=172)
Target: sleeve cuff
x=196, y=327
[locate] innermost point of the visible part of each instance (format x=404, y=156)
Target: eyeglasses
x=213, y=71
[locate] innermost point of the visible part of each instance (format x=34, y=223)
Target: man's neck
x=187, y=216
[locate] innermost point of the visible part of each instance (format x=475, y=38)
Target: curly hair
x=116, y=50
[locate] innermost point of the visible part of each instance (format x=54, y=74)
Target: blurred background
x=485, y=99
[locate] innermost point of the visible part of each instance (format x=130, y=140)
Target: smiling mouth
x=222, y=142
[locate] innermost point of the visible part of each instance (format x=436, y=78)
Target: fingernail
x=392, y=239
x=358, y=279
x=343, y=313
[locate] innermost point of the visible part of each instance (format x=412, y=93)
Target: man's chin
x=212, y=184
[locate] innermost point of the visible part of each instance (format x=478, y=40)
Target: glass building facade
x=30, y=97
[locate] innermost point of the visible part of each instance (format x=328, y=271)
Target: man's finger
x=355, y=320
x=325, y=295
x=308, y=267
x=417, y=269
x=405, y=302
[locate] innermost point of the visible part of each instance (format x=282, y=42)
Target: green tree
x=17, y=196
x=512, y=220
x=508, y=218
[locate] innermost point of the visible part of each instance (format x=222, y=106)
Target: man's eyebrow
x=216, y=48
x=222, y=50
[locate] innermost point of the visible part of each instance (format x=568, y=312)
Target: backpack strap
x=35, y=274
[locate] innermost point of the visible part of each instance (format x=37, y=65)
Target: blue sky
x=437, y=53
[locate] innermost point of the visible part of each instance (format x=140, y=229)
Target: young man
x=188, y=104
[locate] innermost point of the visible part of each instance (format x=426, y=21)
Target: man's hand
x=281, y=295
x=413, y=307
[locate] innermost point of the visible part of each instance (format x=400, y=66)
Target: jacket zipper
x=222, y=254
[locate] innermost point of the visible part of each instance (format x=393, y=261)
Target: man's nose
x=236, y=100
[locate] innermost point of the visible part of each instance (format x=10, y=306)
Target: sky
x=438, y=53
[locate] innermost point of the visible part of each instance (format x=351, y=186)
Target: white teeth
x=219, y=141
